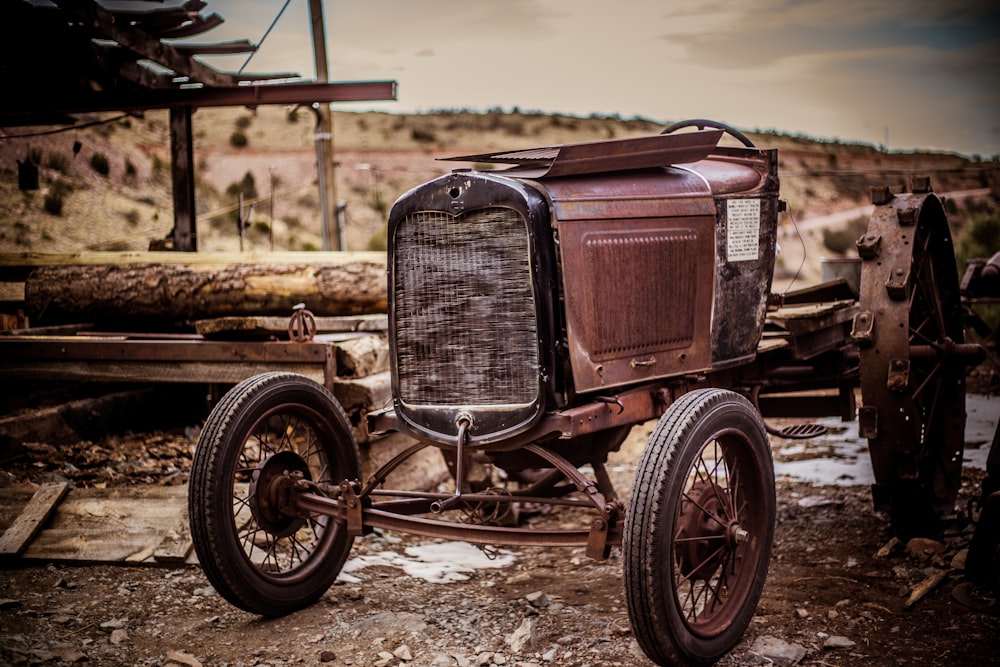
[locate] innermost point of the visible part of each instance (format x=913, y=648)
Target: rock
x=924, y=548
x=957, y=562
x=385, y=659
x=802, y=613
x=327, y=656
x=887, y=548
x=778, y=651
x=403, y=653
x=118, y=635
x=182, y=658
x=538, y=599
x=550, y=655
x=523, y=637
x=113, y=624
x=7, y=603
x=837, y=641
x=442, y=660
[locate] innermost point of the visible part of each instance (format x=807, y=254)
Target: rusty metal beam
x=250, y=96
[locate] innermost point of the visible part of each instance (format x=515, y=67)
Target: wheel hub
x=272, y=490
x=706, y=533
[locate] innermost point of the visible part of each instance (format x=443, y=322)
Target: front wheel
x=699, y=529
x=258, y=557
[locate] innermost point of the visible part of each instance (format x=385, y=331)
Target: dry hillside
x=107, y=186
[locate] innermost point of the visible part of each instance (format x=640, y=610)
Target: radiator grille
x=464, y=309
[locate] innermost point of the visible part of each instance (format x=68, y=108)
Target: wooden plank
x=221, y=327
x=141, y=371
x=38, y=510
x=120, y=525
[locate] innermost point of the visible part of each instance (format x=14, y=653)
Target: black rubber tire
x=225, y=527
x=656, y=553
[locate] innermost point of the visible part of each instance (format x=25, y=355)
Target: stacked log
x=189, y=291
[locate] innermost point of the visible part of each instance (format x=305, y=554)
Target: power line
x=266, y=33
x=68, y=128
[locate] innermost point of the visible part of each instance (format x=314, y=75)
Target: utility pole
x=324, y=136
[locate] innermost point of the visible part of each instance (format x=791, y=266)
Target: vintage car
x=541, y=307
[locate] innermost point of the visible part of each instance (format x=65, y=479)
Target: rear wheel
x=911, y=344
x=699, y=529
x=266, y=430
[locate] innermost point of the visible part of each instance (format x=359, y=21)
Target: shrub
x=839, y=241
x=423, y=136
x=99, y=163
x=53, y=203
x=238, y=139
x=54, y=200
x=379, y=240
x=57, y=162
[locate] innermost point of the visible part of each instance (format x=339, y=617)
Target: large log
x=181, y=292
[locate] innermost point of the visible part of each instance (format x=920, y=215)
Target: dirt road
x=836, y=594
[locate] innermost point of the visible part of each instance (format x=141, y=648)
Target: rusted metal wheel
x=699, y=529
x=911, y=342
x=256, y=550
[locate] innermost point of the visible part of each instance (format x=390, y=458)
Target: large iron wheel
x=699, y=529
x=267, y=431
x=912, y=353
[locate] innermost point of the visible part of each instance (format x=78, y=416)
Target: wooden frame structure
x=65, y=57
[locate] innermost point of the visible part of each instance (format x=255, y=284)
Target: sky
x=909, y=74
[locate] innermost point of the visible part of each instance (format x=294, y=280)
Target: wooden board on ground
x=31, y=519
x=122, y=525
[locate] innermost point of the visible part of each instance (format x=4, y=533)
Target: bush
x=423, y=136
x=57, y=162
x=980, y=239
x=53, y=203
x=54, y=200
x=238, y=139
x=99, y=163
x=840, y=241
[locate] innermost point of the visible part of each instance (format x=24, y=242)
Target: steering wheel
x=702, y=123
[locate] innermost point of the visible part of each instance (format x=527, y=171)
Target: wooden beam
x=185, y=232
x=135, y=38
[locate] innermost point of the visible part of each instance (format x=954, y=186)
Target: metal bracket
x=899, y=375
x=861, y=330
x=869, y=246
x=868, y=421
x=897, y=283
x=598, y=546
x=353, y=508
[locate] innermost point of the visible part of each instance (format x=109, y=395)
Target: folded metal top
x=658, y=150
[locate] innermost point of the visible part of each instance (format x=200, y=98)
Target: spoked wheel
x=911, y=342
x=256, y=552
x=699, y=529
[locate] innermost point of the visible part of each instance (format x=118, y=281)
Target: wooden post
x=185, y=233
x=324, y=135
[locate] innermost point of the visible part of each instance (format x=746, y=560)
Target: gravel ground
x=836, y=594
